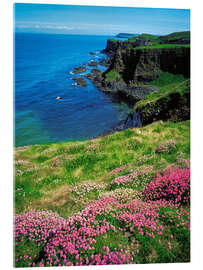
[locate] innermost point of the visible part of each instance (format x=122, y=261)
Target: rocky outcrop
x=106, y=62
x=119, y=87
x=132, y=120
x=78, y=70
x=137, y=93
x=134, y=68
x=111, y=46
x=143, y=64
x=80, y=81
x=93, y=63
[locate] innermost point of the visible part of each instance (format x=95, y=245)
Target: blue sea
x=43, y=65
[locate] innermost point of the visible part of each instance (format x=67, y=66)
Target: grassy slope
x=44, y=173
x=177, y=35
x=156, y=40
x=143, y=36
x=163, y=46
x=112, y=75
x=170, y=84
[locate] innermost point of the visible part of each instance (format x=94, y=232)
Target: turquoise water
x=43, y=66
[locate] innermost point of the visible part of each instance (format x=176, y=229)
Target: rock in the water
x=80, y=81
x=79, y=70
x=105, y=62
x=59, y=97
x=96, y=77
x=93, y=63
x=92, y=53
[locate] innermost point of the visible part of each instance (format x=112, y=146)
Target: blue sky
x=98, y=20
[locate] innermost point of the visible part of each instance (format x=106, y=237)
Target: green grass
x=112, y=75
x=153, y=38
x=43, y=183
x=181, y=87
x=148, y=36
x=163, y=46
x=166, y=78
x=113, y=40
x=45, y=175
x=177, y=36
x=156, y=40
x=29, y=248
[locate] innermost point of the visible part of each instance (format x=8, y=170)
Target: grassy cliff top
x=144, y=36
x=157, y=40
x=185, y=35
x=162, y=46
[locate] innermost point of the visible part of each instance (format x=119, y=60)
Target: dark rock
x=119, y=86
x=95, y=73
x=138, y=92
x=80, y=81
x=174, y=107
x=79, y=70
x=131, y=121
x=105, y=62
x=143, y=65
x=93, y=63
x=96, y=77
x=92, y=53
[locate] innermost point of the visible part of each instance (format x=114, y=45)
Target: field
x=121, y=198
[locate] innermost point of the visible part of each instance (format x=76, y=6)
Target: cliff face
x=168, y=104
x=144, y=65
x=173, y=108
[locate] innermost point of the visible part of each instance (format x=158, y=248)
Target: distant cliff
x=125, y=35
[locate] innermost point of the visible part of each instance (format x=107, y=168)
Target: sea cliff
x=148, y=65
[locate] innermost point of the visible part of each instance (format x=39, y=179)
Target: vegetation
x=118, y=199
x=163, y=46
x=112, y=75
x=144, y=36
x=181, y=86
x=157, y=40
x=105, y=173
x=166, y=78
x=177, y=36
x=148, y=36
x=114, y=40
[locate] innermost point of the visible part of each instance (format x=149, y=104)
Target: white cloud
x=39, y=25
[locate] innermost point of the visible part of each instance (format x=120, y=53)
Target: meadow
x=117, y=199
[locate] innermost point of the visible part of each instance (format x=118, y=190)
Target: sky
x=94, y=20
